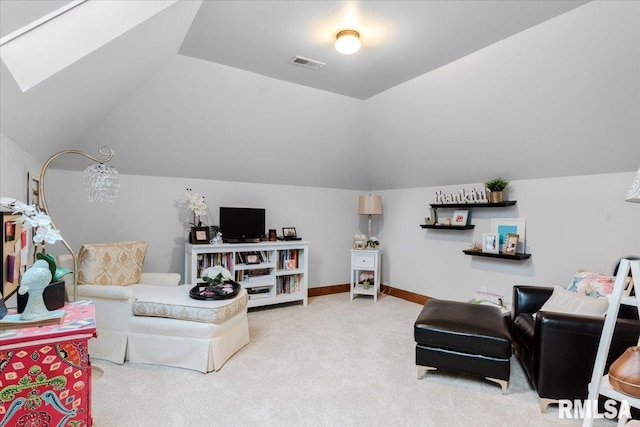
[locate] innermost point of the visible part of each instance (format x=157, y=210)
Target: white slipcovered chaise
x=148, y=317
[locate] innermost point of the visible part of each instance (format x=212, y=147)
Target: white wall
x=572, y=223
x=572, y=77
x=15, y=163
x=154, y=209
x=221, y=123
x=560, y=97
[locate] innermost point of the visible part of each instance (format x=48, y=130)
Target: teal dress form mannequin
x=34, y=280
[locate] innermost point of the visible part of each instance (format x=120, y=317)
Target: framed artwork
x=359, y=241
x=491, y=243
x=15, y=248
x=505, y=226
x=33, y=188
x=289, y=232
x=460, y=217
x=200, y=235
x=511, y=245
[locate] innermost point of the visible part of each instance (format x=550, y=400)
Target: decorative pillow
x=564, y=301
x=111, y=264
x=592, y=284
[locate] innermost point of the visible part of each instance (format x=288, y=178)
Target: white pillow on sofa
x=564, y=301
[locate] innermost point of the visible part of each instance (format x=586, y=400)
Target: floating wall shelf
x=463, y=206
x=503, y=204
x=448, y=227
x=516, y=257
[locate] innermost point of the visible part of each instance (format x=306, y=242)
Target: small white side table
x=365, y=261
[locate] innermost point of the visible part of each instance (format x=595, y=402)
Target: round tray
x=202, y=292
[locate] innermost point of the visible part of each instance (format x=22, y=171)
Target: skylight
x=39, y=50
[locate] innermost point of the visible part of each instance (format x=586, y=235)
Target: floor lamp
x=369, y=205
x=100, y=183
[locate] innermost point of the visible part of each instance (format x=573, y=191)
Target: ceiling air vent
x=307, y=63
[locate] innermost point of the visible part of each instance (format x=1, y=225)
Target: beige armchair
x=148, y=318
x=113, y=302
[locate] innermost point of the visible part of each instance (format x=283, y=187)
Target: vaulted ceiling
x=211, y=82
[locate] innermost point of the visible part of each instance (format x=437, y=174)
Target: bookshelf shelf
x=279, y=275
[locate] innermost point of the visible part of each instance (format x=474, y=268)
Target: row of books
x=288, y=284
x=288, y=260
x=211, y=260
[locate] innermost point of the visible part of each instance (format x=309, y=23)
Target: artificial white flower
x=47, y=235
x=32, y=218
x=35, y=220
x=196, y=204
x=216, y=274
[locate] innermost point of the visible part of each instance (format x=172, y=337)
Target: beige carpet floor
x=334, y=363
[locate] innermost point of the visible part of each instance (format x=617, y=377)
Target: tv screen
x=242, y=224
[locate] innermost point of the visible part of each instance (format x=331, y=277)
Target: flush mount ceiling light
x=347, y=42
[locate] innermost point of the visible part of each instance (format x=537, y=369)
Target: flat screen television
x=240, y=225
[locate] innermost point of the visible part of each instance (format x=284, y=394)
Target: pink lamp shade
x=370, y=205
x=634, y=191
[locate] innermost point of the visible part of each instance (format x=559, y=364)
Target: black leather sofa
x=558, y=351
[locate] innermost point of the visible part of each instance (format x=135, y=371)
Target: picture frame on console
x=200, y=235
x=289, y=232
x=359, y=241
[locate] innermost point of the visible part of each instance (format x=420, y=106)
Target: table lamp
x=369, y=205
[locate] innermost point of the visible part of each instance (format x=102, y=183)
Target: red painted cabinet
x=45, y=372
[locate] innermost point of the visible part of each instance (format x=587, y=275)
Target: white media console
x=271, y=272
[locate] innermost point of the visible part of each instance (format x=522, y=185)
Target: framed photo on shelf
x=490, y=243
x=359, y=241
x=200, y=235
x=460, y=218
x=252, y=259
x=289, y=232
x=506, y=226
x=511, y=245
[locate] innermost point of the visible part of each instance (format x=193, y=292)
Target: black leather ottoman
x=463, y=337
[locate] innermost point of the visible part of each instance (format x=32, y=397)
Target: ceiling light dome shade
x=348, y=42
